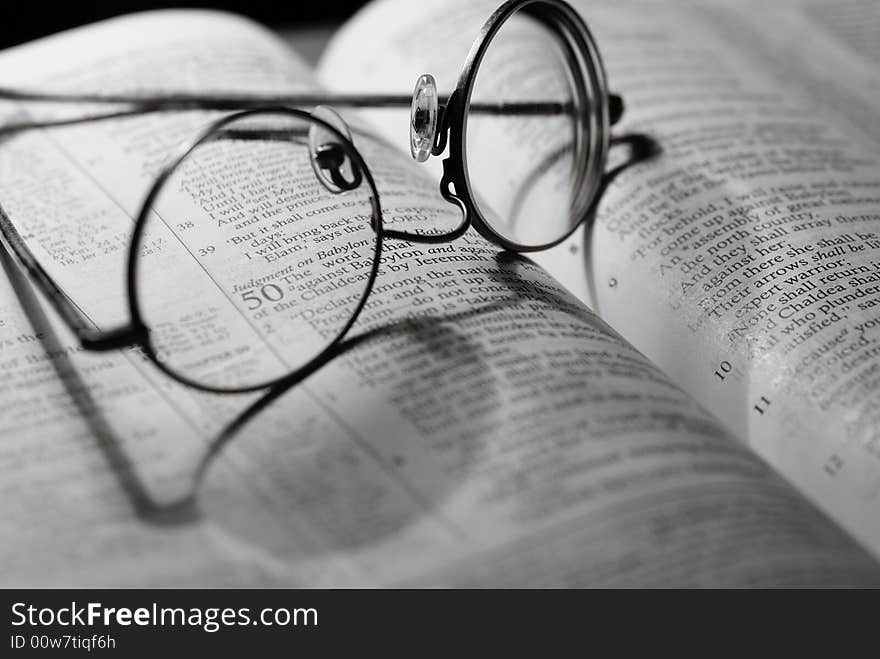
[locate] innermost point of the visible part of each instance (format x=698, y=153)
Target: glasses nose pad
x=329, y=155
x=423, y=118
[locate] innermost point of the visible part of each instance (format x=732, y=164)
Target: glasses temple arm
x=196, y=101
x=89, y=337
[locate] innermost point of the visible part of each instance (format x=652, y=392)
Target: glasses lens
x=527, y=137
x=257, y=251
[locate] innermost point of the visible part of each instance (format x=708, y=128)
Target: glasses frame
x=455, y=187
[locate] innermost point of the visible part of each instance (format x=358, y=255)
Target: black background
x=644, y=624
x=23, y=20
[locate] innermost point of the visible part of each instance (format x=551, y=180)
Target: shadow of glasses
x=642, y=148
x=185, y=509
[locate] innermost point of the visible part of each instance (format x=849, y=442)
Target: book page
x=742, y=259
x=498, y=433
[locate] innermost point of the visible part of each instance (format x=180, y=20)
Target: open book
x=689, y=397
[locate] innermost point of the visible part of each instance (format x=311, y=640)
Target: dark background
x=23, y=20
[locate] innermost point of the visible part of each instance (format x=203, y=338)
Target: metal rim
x=560, y=16
x=142, y=328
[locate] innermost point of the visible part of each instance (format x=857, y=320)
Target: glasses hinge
x=121, y=337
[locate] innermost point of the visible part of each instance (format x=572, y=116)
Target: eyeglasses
x=261, y=239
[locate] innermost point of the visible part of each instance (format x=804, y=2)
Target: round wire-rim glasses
x=436, y=124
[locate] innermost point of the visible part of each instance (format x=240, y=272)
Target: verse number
x=762, y=405
x=723, y=369
x=833, y=465
x=183, y=226
x=204, y=251
x=267, y=293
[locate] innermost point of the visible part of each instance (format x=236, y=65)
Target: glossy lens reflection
x=250, y=266
x=527, y=136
